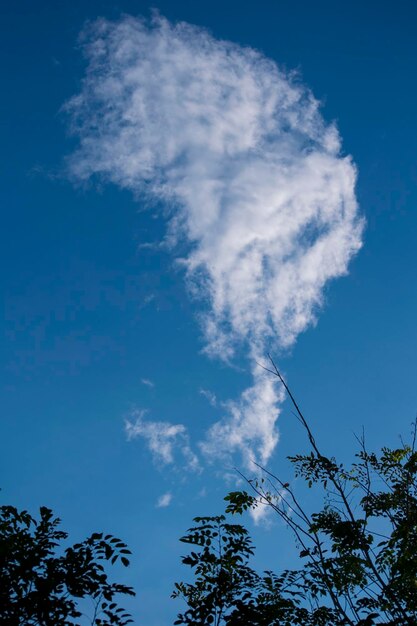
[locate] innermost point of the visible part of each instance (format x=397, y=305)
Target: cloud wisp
x=209, y=396
x=164, y=500
x=250, y=175
x=147, y=383
x=166, y=441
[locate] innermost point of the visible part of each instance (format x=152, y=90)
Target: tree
x=41, y=584
x=227, y=591
x=358, y=552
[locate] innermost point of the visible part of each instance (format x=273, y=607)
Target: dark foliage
x=227, y=591
x=41, y=584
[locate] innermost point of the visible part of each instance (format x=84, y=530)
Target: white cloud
x=249, y=424
x=164, y=500
x=209, y=395
x=147, y=382
x=250, y=175
x=164, y=440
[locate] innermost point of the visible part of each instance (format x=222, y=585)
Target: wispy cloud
x=166, y=441
x=209, y=395
x=250, y=174
x=249, y=424
x=164, y=500
x=147, y=382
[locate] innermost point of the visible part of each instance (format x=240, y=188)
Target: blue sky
x=104, y=325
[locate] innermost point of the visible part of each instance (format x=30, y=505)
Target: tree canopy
x=43, y=584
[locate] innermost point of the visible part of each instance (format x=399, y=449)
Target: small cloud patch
x=164, y=500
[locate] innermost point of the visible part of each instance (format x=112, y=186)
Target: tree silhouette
x=42, y=584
